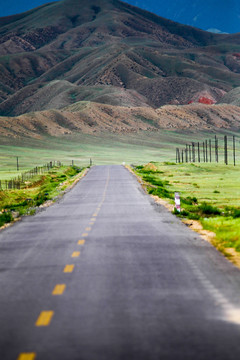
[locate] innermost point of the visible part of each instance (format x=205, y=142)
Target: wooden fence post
x=210, y=150
x=193, y=152
x=216, y=148
x=225, y=150
x=206, y=150
x=234, y=151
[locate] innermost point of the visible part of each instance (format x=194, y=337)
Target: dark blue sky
x=223, y=15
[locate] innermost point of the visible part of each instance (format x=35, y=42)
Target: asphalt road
x=107, y=275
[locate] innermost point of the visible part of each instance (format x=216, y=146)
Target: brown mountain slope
x=232, y=97
x=109, y=43
x=93, y=118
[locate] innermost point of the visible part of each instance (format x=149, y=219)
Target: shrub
x=192, y=216
x=169, y=163
x=236, y=213
x=190, y=200
x=5, y=218
x=182, y=213
x=207, y=209
x=153, y=180
x=161, y=192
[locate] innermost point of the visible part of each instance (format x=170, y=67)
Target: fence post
x=216, y=148
x=210, y=150
x=199, y=159
x=186, y=152
x=234, y=151
x=193, y=152
x=206, y=150
x=225, y=150
x=190, y=153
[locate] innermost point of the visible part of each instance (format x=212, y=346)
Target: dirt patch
x=234, y=256
x=165, y=203
x=150, y=167
x=197, y=226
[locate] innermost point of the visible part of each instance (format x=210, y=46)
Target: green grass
x=14, y=203
x=205, y=189
x=227, y=230
x=106, y=148
x=209, y=193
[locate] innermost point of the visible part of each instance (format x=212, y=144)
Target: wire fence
x=208, y=151
x=23, y=180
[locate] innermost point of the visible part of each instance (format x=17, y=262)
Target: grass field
x=105, y=149
x=41, y=188
x=209, y=193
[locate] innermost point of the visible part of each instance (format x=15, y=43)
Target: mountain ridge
x=111, y=53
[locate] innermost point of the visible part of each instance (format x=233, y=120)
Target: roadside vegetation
x=210, y=194
x=41, y=188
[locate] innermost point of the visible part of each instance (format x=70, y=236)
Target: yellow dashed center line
x=84, y=234
x=44, y=318
x=59, y=289
x=27, y=356
x=68, y=268
x=81, y=242
x=93, y=219
x=75, y=253
x=95, y=215
x=88, y=229
x=91, y=223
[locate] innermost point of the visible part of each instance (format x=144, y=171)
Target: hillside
x=232, y=97
x=87, y=47
x=95, y=118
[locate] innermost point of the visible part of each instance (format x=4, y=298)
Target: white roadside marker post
x=177, y=202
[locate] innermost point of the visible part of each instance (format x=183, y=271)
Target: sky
x=10, y=7
x=218, y=15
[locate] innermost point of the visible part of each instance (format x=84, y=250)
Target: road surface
x=104, y=274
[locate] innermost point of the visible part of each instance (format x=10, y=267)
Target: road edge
x=230, y=254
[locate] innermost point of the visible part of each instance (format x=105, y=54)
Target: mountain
x=109, y=52
x=232, y=97
x=94, y=118
x=218, y=15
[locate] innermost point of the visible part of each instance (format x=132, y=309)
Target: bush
x=192, y=216
x=5, y=218
x=207, y=209
x=190, y=200
x=182, y=213
x=236, y=213
x=161, y=192
x=41, y=198
x=169, y=163
x=153, y=180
